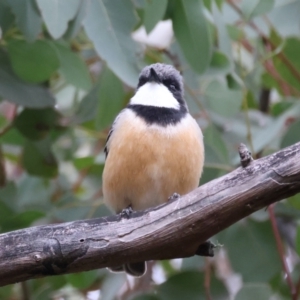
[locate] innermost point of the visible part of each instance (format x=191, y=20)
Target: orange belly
x=147, y=164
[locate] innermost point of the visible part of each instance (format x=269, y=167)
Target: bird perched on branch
x=154, y=148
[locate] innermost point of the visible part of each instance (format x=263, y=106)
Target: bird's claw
x=175, y=196
x=126, y=212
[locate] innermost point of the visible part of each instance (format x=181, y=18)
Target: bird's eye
x=172, y=87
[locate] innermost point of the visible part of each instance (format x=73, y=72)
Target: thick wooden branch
x=175, y=229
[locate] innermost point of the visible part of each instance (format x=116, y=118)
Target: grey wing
x=107, y=139
x=110, y=133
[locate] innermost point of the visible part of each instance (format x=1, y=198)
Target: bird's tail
x=137, y=269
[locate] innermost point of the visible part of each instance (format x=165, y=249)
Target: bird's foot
x=175, y=196
x=126, y=212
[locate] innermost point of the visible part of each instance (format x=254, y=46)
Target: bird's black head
x=166, y=75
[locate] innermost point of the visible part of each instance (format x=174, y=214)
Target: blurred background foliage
x=68, y=67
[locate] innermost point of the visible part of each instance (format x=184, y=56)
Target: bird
x=154, y=149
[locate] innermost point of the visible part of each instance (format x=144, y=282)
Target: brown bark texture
x=172, y=230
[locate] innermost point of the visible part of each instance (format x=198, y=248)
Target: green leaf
x=38, y=159
x=35, y=124
x=153, y=12
x=69, y=209
x=34, y=193
x=82, y=163
x=12, y=137
x=255, y=240
x=82, y=280
x=33, y=62
x=190, y=285
x=235, y=33
x=88, y=106
x=298, y=240
x=290, y=50
x=279, y=107
x=111, y=286
x=21, y=220
x=75, y=25
x=294, y=201
x=255, y=8
x=5, y=213
x=146, y=297
x=111, y=99
x=292, y=135
x=15, y=90
x=27, y=18
x=191, y=31
x=223, y=36
x=215, y=148
x=209, y=173
x=73, y=68
x=109, y=24
x=6, y=292
x=254, y=291
x=9, y=196
x=223, y=100
x=6, y=17
x=219, y=64
x=265, y=135
x=57, y=14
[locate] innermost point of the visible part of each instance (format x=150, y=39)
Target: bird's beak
x=153, y=76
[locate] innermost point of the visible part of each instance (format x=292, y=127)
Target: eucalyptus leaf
x=254, y=8
x=254, y=291
x=57, y=14
x=192, y=32
x=223, y=100
x=256, y=241
x=35, y=124
x=292, y=136
x=27, y=17
x=76, y=24
x=108, y=24
x=73, y=68
x=187, y=285
x=111, y=99
x=36, y=70
x=154, y=12
x=38, y=159
x=6, y=17
x=17, y=91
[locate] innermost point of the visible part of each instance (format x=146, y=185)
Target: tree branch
x=172, y=230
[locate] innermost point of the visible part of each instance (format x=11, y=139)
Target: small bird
x=154, y=148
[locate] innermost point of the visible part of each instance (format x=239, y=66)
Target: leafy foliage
x=68, y=67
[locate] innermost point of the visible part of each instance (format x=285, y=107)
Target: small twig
x=245, y=155
x=281, y=252
x=207, y=279
x=281, y=55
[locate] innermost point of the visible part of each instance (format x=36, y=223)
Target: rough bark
x=175, y=229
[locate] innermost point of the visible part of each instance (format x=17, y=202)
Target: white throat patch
x=154, y=94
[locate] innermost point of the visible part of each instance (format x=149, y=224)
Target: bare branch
x=175, y=229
